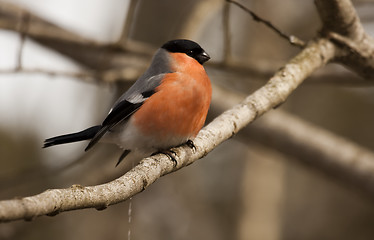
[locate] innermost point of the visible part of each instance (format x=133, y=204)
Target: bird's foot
x=168, y=153
x=191, y=144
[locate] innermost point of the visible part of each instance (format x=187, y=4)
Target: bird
x=166, y=106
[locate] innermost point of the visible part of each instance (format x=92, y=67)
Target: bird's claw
x=168, y=153
x=191, y=144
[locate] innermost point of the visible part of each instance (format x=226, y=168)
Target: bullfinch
x=166, y=107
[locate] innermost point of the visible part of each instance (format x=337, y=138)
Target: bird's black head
x=188, y=47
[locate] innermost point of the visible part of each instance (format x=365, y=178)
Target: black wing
x=119, y=113
x=128, y=104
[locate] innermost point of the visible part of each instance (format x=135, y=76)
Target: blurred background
x=74, y=58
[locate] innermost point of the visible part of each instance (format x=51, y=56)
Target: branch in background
x=24, y=25
x=332, y=154
x=226, y=34
x=319, y=148
x=108, y=76
x=12, y=15
x=90, y=53
x=293, y=40
x=127, y=25
x=84, y=76
x=202, y=10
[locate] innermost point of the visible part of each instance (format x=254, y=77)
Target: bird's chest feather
x=179, y=106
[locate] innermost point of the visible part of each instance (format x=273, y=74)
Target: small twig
x=88, y=76
x=106, y=76
x=23, y=27
x=293, y=40
x=226, y=34
x=20, y=51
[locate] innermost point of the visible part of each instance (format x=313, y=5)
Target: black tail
x=73, y=137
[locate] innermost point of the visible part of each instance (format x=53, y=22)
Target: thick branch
x=279, y=87
x=342, y=25
x=340, y=16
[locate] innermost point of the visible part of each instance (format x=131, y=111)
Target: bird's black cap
x=188, y=47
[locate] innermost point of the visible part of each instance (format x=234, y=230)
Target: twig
x=24, y=24
x=226, y=34
x=108, y=76
x=293, y=40
x=83, y=75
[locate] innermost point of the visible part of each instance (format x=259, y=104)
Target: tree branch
x=342, y=25
x=90, y=53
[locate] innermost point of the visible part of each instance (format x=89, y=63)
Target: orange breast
x=181, y=102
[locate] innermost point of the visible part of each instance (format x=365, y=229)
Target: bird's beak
x=203, y=57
